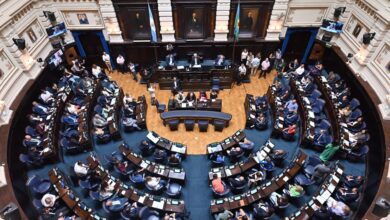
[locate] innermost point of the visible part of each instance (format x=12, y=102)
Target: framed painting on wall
x=83, y=19
x=194, y=23
x=356, y=30
x=248, y=21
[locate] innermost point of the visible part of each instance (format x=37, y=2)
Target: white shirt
x=106, y=58
x=46, y=95
x=120, y=60
x=300, y=70
x=244, y=55
x=265, y=65
x=96, y=71
x=80, y=169
x=51, y=203
x=242, y=69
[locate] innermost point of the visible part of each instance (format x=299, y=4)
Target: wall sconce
x=20, y=42
x=338, y=11
x=367, y=37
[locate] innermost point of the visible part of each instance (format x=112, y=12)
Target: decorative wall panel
x=305, y=16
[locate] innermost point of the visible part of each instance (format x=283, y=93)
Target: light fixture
x=367, y=37
x=20, y=42
x=338, y=11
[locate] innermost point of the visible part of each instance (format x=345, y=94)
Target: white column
x=275, y=25
x=167, y=29
x=113, y=32
x=222, y=20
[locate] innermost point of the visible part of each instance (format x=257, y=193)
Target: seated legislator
x=278, y=200
x=48, y=200
x=234, y=153
x=261, y=121
x=138, y=176
x=293, y=65
x=170, y=61
x=348, y=195
x=290, y=130
x=176, y=86
x=202, y=96
x=338, y=208
x=294, y=191
x=180, y=98
x=291, y=105
x=329, y=151
x=237, y=182
x=106, y=190
x=256, y=177
x=262, y=210
x=81, y=169
x=246, y=144
x=220, y=61
x=195, y=60
x=299, y=72
x=352, y=181
x=225, y=215
x=217, y=184
x=213, y=95
x=116, y=203
x=99, y=121
x=155, y=183
x=191, y=97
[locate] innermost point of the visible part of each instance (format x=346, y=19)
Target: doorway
x=91, y=45
x=298, y=43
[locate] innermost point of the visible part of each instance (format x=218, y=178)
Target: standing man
x=175, y=86
x=107, y=60
x=133, y=71
x=244, y=56
x=264, y=68
x=241, y=73
x=255, y=65
x=120, y=60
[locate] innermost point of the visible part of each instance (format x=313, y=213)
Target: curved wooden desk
x=253, y=195
x=196, y=115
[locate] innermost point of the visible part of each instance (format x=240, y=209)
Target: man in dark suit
x=170, y=61
x=176, y=86
x=196, y=59
x=194, y=24
x=247, y=22
x=238, y=181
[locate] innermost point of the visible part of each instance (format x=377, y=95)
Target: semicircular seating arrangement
x=269, y=169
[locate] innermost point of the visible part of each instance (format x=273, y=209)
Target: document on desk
x=323, y=79
x=252, y=116
x=152, y=138
x=158, y=205
x=197, y=66
x=228, y=172
x=331, y=187
x=321, y=199
x=113, y=101
x=180, y=67
x=141, y=199
x=311, y=114
x=181, y=150
x=339, y=170
x=144, y=164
